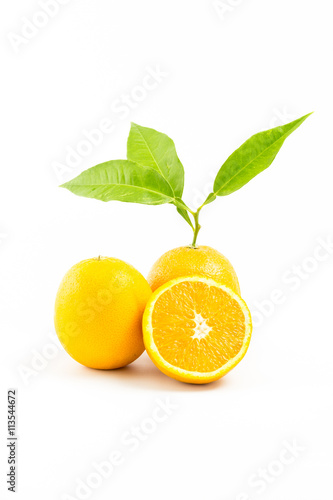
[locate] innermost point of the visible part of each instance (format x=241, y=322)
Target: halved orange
x=196, y=329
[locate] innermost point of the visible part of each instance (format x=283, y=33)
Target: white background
x=226, y=76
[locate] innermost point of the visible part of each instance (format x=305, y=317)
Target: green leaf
x=185, y=216
x=153, y=149
x=254, y=156
x=180, y=204
x=122, y=180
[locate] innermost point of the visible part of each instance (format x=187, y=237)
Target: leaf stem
x=197, y=227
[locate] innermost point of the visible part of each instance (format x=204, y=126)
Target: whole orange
x=98, y=312
x=187, y=261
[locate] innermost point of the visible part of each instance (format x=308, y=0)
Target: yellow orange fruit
x=187, y=261
x=196, y=329
x=98, y=312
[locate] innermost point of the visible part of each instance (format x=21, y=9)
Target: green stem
x=197, y=227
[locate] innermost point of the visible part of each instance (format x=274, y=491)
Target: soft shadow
x=144, y=374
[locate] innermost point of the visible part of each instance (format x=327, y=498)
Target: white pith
x=201, y=329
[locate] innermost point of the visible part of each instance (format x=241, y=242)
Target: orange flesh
x=197, y=327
